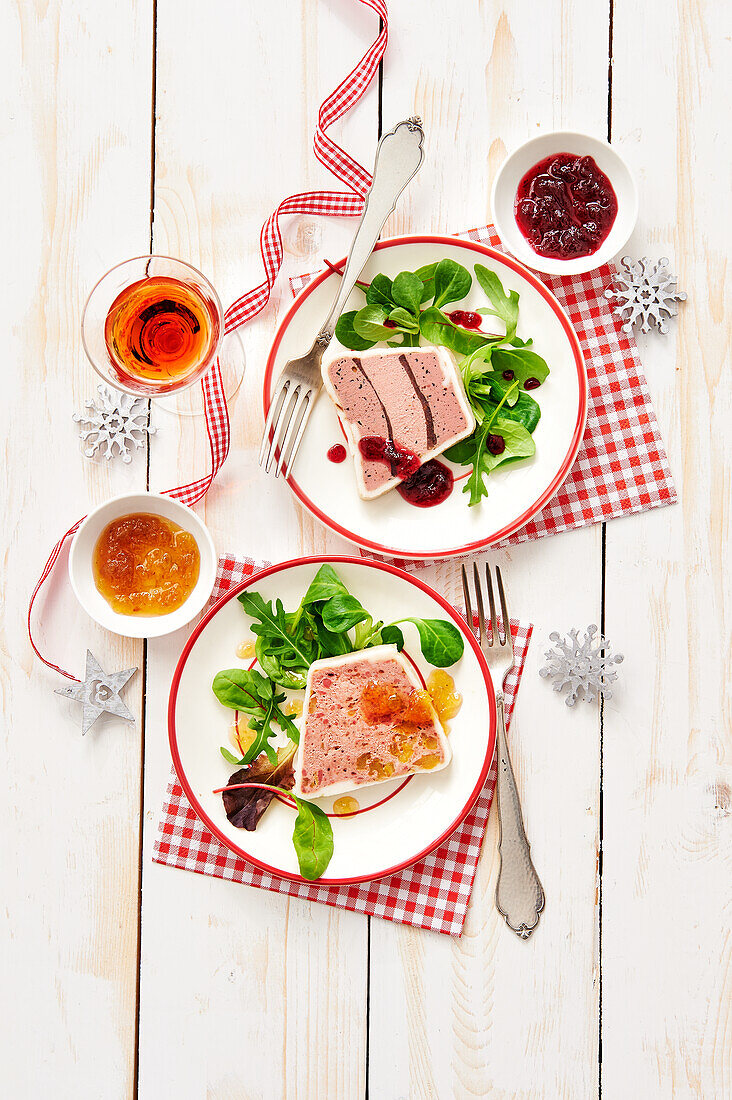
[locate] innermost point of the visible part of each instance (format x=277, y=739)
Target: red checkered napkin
x=433, y=893
x=621, y=466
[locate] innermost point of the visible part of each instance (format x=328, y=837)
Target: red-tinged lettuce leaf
x=244, y=808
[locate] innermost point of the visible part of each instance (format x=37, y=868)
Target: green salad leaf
x=440, y=641
x=312, y=839
x=379, y=292
x=286, y=642
x=346, y=333
x=437, y=328
x=407, y=290
x=251, y=693
x=505, y=306
x=369, y=323
x=452, y=282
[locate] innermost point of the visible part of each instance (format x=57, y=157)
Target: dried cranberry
x=389, y=324
x=508, y=375
x=532, y=384
x=496, y=444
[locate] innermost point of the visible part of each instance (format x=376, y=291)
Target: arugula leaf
x=437, y=328
x=312, y=838
x=285, y=638
x=452, y=282
x=474, y=451
x=505, y=306
x=271, y=666
x=347, y=335
x=378, y=293
x=440, y=641
x=407, y=290
x=369, y=323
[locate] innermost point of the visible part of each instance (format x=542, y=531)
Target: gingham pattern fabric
x=621, y=466
x=432, y=894
x=339, y=203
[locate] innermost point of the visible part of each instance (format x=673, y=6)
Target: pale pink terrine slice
x=367, y=719
x=412, y=396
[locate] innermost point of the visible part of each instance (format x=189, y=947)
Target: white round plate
x=388, y=525
x=399, y=822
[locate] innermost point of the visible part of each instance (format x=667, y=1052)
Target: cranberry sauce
x=565, y=206
x=466, y=318
x=337, y=453
x=403, y=463
x=430, y=485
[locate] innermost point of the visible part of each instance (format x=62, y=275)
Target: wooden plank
x=267, y=997
x=667, y=981
x=487, y=1014
x=75, y=88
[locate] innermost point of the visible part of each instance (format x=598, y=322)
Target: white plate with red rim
x=398, y=823
x=517, y=492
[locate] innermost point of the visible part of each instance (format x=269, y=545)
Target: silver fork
x=519, y=893
x=398, y=156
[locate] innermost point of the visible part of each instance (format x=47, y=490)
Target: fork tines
x=489, y=631
x=288, y=414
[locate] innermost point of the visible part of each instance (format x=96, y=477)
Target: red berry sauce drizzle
x=430, y=485
x=565, y=206
x=424, y=486
x=337, y=453
x=466, y=318
x=402, y=463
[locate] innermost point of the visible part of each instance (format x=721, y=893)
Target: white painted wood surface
x=240, y=993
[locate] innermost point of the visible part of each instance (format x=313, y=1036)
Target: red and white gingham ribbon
x=338, y=203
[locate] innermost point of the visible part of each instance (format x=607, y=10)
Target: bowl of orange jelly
x=142, y=565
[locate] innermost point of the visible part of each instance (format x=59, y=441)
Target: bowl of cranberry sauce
x=564, y=203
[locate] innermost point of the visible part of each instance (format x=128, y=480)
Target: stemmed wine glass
x=152, y=327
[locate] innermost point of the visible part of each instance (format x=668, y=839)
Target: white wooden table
x=176, y=126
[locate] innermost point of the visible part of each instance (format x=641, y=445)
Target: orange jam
x=145, y=564
x=445, y=699
x=380, y=701
x=345, y=805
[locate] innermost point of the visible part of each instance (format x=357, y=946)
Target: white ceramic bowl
x=515, y=167
x=82, y=576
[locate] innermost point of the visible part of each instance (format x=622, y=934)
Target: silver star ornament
x=99, y=693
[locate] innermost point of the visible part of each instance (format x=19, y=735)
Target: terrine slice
x=367, y=719
x=410, y=398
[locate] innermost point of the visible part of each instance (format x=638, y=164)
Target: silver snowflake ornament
x=645, y=292
x=113, y=425
x=582, y=669
x=99, y=693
